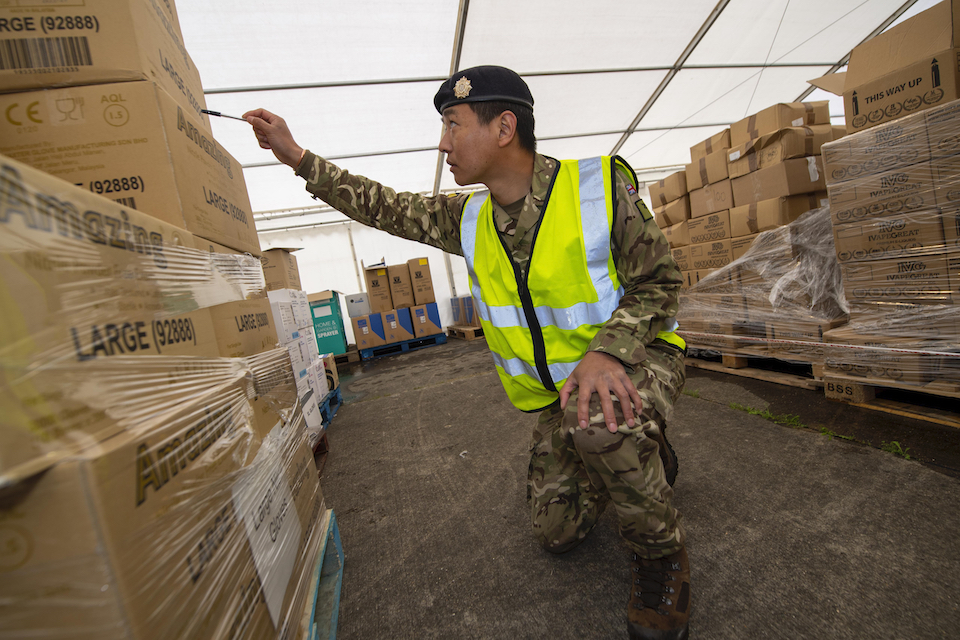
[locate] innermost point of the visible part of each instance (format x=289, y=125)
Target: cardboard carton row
x=396, y=325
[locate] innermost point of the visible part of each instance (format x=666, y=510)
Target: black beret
x=483, y=84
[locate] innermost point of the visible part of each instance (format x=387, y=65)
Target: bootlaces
x=651, y=581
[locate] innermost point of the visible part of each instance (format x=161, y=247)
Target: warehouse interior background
x=355, y=82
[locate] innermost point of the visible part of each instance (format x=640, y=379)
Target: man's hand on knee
x=602, y=374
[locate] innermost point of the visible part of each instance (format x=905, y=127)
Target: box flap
x=287, y=249
x=911, y=41
x=831, y=83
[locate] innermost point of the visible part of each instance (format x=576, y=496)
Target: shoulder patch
x=631, y=190
x=644, y=212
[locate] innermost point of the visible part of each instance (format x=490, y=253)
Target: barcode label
x=127, y=202
x=45, y=53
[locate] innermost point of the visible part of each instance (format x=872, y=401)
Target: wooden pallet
x=395, y=348
x=464, y=333
x=804, y=375
x=322, y=611
x=932, y=402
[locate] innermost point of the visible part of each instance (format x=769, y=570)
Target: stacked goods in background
x=744, y=289
x=151, y=426
x=147, y=412
x=895, y=207
x=399, y=305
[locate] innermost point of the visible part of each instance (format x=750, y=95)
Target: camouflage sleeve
x=650, y=278
x=431, y=220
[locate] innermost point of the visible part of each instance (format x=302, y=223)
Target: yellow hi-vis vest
x=539, y=324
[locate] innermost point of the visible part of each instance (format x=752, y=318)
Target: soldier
x=576, y=289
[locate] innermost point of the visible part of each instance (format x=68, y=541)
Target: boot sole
x=641, y=633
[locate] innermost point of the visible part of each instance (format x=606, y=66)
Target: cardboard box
x=716, y=142
x=776, y=147
x=421, y=281
x=280, y=270
x=768, y=214
x=906, y=189
x=677, y=235
x=673, y=212
x=707, y=255
x=707, y=170
x=669, y=189
x=72, y=44
x=426, y=320
x=929, y=279
x=740, y=245
x=908, y=68
x=357, y=304
x=711, y=199
x=167, y=534
x=331, y=372
x=941, y=124
x=401, y=289
x=689, y=279
x=715, y=226
x=397, y=325
x=946, y=180
x=873, y=357
x=81, y=291
x=378, y=289
x=890, y=146
x=133, y=143
x=463, y=312
x=328, y=322
x=368, y=331
x=244, y=328
x=792, y=177
x=289, y=317
x=891, y=236
x=779, y=116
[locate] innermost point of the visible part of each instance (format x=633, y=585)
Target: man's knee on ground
x=556, y=541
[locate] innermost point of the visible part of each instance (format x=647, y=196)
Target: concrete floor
x=792, y=534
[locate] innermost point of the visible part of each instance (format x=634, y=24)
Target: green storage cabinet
x=328, y=322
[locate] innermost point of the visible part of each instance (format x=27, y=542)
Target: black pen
x=220, y=115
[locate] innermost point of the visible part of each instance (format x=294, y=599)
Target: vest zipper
x=536, y=332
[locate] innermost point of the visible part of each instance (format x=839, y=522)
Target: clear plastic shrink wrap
x=150, y=487
x=868, y=285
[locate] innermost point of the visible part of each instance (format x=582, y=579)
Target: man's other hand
x=602, y=374
x=272, y=133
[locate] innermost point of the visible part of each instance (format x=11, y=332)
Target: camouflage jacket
x=649, y=275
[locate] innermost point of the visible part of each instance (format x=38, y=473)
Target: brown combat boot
x=660, y=598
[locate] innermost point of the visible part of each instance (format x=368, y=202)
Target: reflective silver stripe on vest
x=515, y=367
x=596, y=234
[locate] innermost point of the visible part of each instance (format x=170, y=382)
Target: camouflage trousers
x=574, y=473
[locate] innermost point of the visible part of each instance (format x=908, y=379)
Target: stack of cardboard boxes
x=759, y=175
x=893, y=197
x=399, y=305
x=151, y=424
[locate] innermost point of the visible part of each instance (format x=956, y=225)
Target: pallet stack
x=398, y=312
x=748, y=183
x=155, y=478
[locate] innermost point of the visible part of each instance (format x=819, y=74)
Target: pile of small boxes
x=399, y=305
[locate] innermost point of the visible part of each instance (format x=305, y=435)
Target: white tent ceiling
x=645, y=79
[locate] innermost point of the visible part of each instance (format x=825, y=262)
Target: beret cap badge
x=462, y=88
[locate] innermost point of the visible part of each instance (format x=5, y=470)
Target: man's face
x=470, y=146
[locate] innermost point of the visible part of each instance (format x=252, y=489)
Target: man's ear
x=508, y=128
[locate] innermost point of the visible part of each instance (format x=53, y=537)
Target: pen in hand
x=220, y=115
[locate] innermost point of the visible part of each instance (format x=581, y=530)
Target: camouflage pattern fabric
x=645, y=266
x=574, y=473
